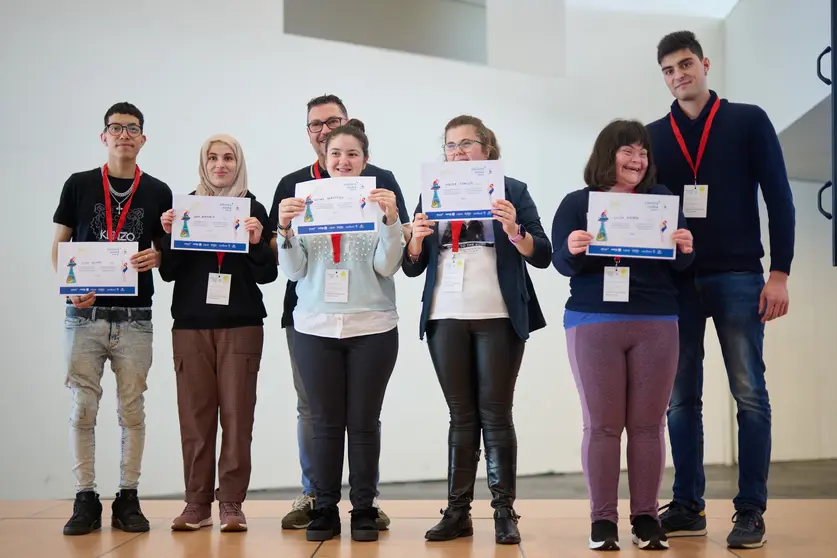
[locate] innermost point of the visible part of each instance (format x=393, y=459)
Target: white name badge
x=695, y=201
x=617, y=282
x=337, y=285
x=453, y=278
x=218, y=289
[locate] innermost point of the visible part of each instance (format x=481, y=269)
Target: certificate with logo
x=461, y=190
x=337, y=205
x=632, y=225
x=102, y=267
x=210, y=223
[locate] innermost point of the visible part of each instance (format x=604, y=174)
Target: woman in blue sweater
x=623, y=354
x=346, y=346
x=477, y=332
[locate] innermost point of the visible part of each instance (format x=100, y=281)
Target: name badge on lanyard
x=453, y=272
x=336, y=280
x=617, y=283
x=695, y=196
x=218, y=286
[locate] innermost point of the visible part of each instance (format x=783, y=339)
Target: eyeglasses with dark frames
x=315, y=126
x=465, y=145
x=115, y=129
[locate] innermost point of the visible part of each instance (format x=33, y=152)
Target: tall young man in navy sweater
x=715, y=155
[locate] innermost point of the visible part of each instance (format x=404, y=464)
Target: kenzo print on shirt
x=131, y=230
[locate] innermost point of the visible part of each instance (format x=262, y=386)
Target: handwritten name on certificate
x=210, y=223
x=632, y=225
x=461, y=190
x=102, y=267
x=337, y=205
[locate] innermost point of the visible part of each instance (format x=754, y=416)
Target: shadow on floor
x=800, y=479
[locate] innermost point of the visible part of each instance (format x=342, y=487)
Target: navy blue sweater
x=652, y=289
x=742, y=153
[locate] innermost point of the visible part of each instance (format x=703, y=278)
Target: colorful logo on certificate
x=184, y=232
x=236, y=224
x=602, y=236
x=663, y=227
x=309, y=217
x=491, y=189
x=435, y=203
x=71, y=276
x=363, y=203
x=124, y=270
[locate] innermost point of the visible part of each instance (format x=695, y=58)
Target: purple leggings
x=624, y=372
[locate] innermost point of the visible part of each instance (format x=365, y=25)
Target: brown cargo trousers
x=217, y=369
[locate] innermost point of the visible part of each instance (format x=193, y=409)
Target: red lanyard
x=456, y=231
x=703, y=138
x=112, y=235
x=220, y=260
x=335, y=238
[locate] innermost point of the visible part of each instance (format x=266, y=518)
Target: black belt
x=110, y=314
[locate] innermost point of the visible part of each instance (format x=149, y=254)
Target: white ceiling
x=707, y=8
x=718, y=9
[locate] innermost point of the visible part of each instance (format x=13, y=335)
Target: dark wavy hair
x=600, y=172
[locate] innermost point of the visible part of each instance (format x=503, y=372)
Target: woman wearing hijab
x=217, y=346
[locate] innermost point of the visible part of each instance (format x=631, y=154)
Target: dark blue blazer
x=516, y=286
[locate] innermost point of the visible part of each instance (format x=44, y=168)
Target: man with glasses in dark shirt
x=325, y=113
x=113, y=203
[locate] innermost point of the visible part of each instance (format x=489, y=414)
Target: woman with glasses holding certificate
x=479, y=307
x=345, y=322
x=217, y=336
x=621, y=323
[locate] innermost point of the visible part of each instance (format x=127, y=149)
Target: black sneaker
x=604, y=535
x=127, y=515
x=364, y=524
x=325, y=524
x=682, y=520
x=748, y=531
x=87, y=514
x=648, y=533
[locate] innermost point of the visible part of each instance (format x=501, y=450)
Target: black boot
x=501, y=465
x=87, y=514
x=462, y=472
x=127, y=514
x=364, y=524
x=325, y=524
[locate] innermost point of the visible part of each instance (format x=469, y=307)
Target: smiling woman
x=623, y=354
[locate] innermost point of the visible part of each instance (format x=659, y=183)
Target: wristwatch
x=521, y=234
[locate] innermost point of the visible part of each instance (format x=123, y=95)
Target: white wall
x=799, y=348
x=771, y=53
x=254, y=85
x=445, y=28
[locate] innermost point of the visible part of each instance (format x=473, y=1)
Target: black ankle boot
x=462, y=473
x=127, y=514
x=87, y=514
x=325, y=524
x=501, y=465
x=365, y=524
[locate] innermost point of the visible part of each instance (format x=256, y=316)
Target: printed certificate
x=461, y=190
x=210, y=223
x=632, y=225
x=102, y=267
x=337, y=205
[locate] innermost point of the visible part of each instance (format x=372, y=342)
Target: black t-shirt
x=287, y=188
x=82, y=208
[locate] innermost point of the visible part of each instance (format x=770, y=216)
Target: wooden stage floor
x=549, y=528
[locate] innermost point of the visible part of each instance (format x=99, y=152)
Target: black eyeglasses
x=316, y=126
x=116, y=129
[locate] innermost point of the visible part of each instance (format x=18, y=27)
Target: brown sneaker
x=194, y=517
x=232, y=518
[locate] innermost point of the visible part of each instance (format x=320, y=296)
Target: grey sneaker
x=298, y=517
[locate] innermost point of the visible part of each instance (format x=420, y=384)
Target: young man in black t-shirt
x=111, y=327
x=325, y=113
